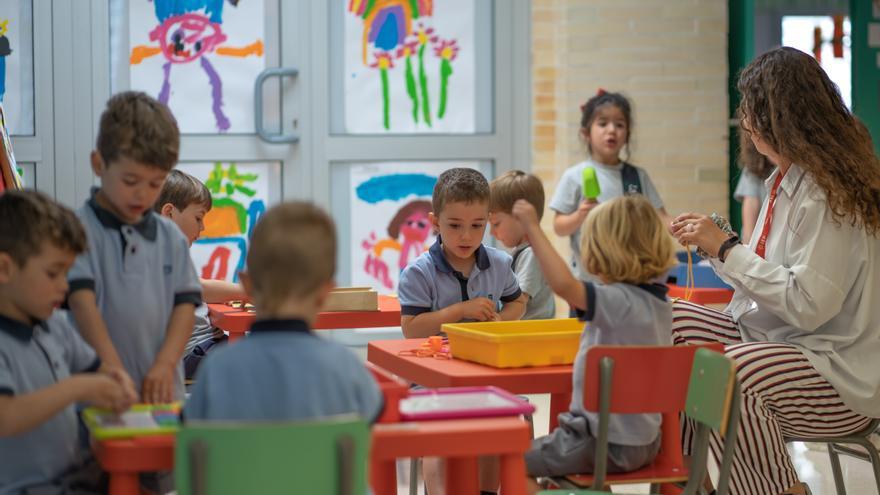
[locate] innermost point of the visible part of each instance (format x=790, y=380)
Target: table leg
x=462, y=475
x=559, y=403
x=383, y=476
x=124, y=484
x=513, y=474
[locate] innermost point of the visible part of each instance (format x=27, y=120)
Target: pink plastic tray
x=461, y=402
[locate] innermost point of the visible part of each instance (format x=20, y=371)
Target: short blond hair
x=515, y=185
x=292, y=253
x=624, y=240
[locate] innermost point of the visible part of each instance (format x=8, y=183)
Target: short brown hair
x=29, y=218
x=136, y=126
x=624, y=240
x=293, y=252
x=458, y=185
x=515, y=185
x=182, y=190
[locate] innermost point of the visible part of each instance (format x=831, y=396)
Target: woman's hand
x=700, y=230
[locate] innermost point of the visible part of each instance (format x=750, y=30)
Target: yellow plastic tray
x=516, y=344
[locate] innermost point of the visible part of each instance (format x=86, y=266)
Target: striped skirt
x=782, y=396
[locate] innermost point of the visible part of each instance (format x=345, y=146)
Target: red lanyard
x=761, y=247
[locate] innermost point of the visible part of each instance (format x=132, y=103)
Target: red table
x=237, y=322
x=431, y=372
x=459, y=441
x=702, y=295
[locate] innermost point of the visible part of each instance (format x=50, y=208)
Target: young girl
x=606, y=127
x=627, y=247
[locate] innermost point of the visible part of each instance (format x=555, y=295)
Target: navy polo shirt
x=139, y=273
x=280, y=372
x=33, y=357
x=430, y=283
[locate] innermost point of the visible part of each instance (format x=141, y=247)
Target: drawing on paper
x=5, y=51
x=191, y=32
x=401, y=40
x=239, y=201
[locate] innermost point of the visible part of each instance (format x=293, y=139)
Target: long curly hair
x=789, y=101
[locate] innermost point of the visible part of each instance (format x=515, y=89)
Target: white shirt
x=818, y=289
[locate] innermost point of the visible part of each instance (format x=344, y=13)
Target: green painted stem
x=411, y=89
x=445, y=72
x=385, y=103
x=423, y=83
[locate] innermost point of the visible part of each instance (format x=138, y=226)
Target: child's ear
x=323, y=292
x=166, y=210
x=7, y=267
x=97, y=163
x=585, y=134
x=435, y=221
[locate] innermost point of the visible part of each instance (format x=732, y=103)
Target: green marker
x=591, y=184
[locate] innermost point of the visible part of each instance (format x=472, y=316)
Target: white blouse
x=818, y=289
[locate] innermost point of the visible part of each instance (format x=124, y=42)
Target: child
x=133, y=293
x=45, y=367
x=283, y=371
x=505, y=191
x=627, y=247
x=186, y=201
x=606, y=126
x=458, y=279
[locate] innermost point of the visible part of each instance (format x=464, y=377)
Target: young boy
x=283, y=371
x=458, y=279
x=133, y=293
x=45, y=367
x=186, y=201
x=505, y=191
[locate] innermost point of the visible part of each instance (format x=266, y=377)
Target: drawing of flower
x=424, y=35
x=447, y=50
x=406, y=52
x=383, y=63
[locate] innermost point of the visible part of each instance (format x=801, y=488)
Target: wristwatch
x=726, y=246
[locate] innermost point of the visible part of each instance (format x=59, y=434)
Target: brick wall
x=669, y=57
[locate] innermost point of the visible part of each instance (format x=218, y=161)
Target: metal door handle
x=258, y=105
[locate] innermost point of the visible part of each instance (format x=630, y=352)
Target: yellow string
x=689, y=284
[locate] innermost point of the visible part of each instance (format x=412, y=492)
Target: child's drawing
x=390, y=203
x=5, y=51
x=401, y=40
x=199, y=34
x=240, y=194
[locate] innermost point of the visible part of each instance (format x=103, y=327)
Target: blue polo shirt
x=139, y=273
x=430, y=283
x=33, y=357
x=282, y=371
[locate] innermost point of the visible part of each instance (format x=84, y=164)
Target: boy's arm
x=92, y=327
x=565, y=225
x=221, y=291
x=514, y=310
x=555, y=269
x=428, y=324
x=158, y=384
x=22, y=413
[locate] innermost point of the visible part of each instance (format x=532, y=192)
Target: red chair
x=637, y=379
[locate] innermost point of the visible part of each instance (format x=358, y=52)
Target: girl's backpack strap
x=632, y=184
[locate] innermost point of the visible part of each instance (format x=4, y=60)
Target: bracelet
x=726, y=246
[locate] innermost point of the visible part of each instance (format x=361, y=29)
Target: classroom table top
x=433, y=372
x=237, y=321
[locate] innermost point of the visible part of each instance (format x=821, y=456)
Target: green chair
x=226, y=458
x=712, y=401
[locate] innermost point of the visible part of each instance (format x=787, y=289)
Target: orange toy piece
x=435, y=346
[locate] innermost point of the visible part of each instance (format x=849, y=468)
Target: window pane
x=241, y=192
x=411, y=67
x=381, y=210
x=799, y=31
x=17, y=66
x=201, y=62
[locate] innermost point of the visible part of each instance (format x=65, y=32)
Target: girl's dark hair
x=602, y=98
x=415, y=206
x=789, y=101
x=749, y=158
